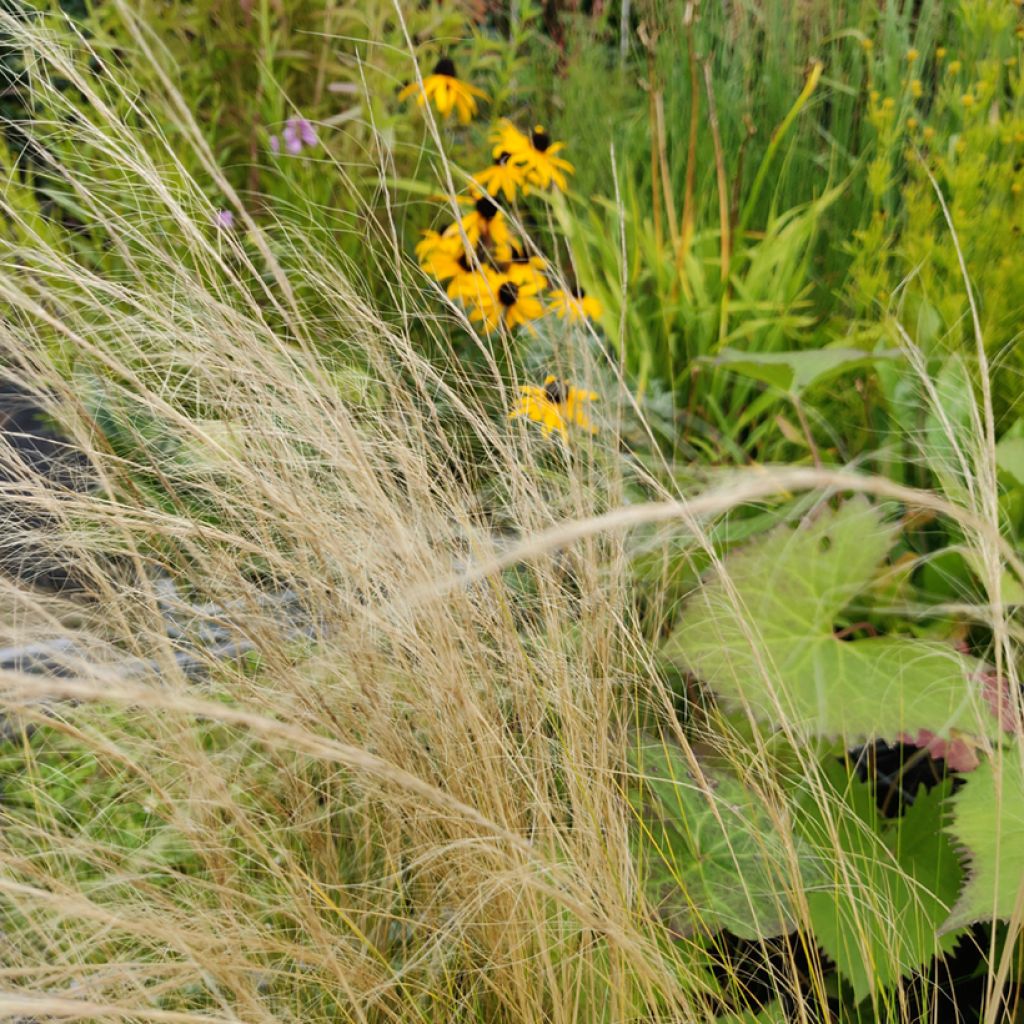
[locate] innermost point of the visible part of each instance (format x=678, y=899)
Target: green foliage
x=712, y=855
x=793, y=372
x=988, y=824
x=760, y=633
x=892, y=882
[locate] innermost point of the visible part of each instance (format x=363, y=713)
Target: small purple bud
x=308, y=132
x=225, y=219
x=275, y=144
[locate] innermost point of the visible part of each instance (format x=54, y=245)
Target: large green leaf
x=988, y=822
x=891, y=885
x=760, y=633
x=710, y=853
x=1010, y=457
x=795, y=371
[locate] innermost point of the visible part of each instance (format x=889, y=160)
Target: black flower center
x=486, y=207
x=556, y=391
x=463, y=262
x=445, y=66
x=518, y=256
x=502, y=158
x=508, y=293
x=540, y=139
x=578, y=292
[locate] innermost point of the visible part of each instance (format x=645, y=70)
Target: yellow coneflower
x=473, y=283
x=502, y=176
x=575, y=305
x=447, y=91
x=543, y=165
x=441, y=264
x=912, y=55
x=554, y=405
x=506, y=302
x=432, y=241
x=525, y=269
x=507, y=138
x=484, y=223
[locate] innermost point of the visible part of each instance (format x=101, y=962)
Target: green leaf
x=1010, y=457
x=988, y=823
x=710, y=852
x=891, y=886
x=761, y=635
x=773, y=1013
x=948, y=424
x=795, y=371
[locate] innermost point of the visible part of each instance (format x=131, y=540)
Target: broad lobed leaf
x=760, y=633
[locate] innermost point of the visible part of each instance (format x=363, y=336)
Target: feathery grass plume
x=381, y=812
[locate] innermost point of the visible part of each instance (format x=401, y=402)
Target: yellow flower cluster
x=483, y=265
x=523, y=161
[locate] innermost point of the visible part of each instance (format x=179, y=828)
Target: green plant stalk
x=780, y=133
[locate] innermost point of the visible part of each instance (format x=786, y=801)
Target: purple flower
x=225, y=219
x=275, y=144
x=298, y=132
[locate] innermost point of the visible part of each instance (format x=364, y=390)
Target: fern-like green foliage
x=760, y=633
x=988, y=823
x=710, y=853
x=891, y=884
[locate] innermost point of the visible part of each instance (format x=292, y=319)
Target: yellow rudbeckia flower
x=555, y=405
x=543, y=166
x=484, y=223
x=506, y=302
x=575, y=305
x=447, y=92
x=525, y=269
x=507, y=138
x=502, y=176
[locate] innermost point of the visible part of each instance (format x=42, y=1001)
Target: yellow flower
x=525, y=269
x=506, y=302
x=868, y=44
x=543, y=165
x=442, y=264
x=940, y=52
x=916, y=89
x=484, y=223
x=507, y=138
x=954, y=67
x=911, y=123
x=434, y=241
x=502, y=176
x=912, y=55
x=554, y=405
x=472, y=284
x=967, y=100
x=575, y=305
x=447, y=91
x=929, y=133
